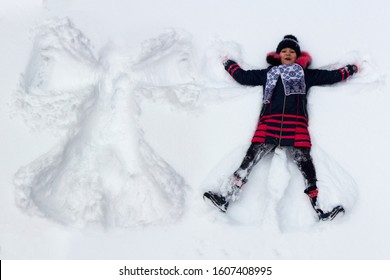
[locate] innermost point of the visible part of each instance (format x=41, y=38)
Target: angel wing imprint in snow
x=164, y=70
x=103, y=170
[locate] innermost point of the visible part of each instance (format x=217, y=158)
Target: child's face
x=288, y=56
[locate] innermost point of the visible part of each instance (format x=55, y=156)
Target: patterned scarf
x=293, y=80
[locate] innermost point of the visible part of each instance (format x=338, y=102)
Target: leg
x=304, y=161
x=254, y=154
x=302, y=158
x=305, y=164
x=230, y=191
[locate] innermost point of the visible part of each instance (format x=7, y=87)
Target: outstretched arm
x=245, y=77
x=325, y=77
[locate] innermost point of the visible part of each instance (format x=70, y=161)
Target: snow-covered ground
x=117, y=115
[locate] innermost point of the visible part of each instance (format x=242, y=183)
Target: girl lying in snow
x=283, y=119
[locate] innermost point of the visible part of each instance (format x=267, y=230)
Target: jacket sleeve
x=245, y=77
x=316, y=77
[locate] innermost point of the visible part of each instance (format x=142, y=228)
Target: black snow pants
x=301, y=156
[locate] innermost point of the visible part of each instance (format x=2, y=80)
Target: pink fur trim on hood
x=304, y=59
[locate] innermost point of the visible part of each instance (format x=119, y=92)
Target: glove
x=352, y=69
x=348, y=71
x=227, y=62
x=231, y=66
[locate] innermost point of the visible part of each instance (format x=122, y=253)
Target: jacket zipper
x=281, y=125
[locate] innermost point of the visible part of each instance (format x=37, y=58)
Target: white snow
x=117, y=115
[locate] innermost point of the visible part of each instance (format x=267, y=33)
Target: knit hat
x=289, y=41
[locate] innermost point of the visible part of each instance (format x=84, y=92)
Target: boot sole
x=210, y=198
x=337, y=210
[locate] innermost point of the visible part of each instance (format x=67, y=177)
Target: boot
x=331, y=214
x=312, y=192
x=229, y=194
x=218, y=200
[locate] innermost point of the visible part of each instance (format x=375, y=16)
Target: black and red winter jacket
x=284, y=120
